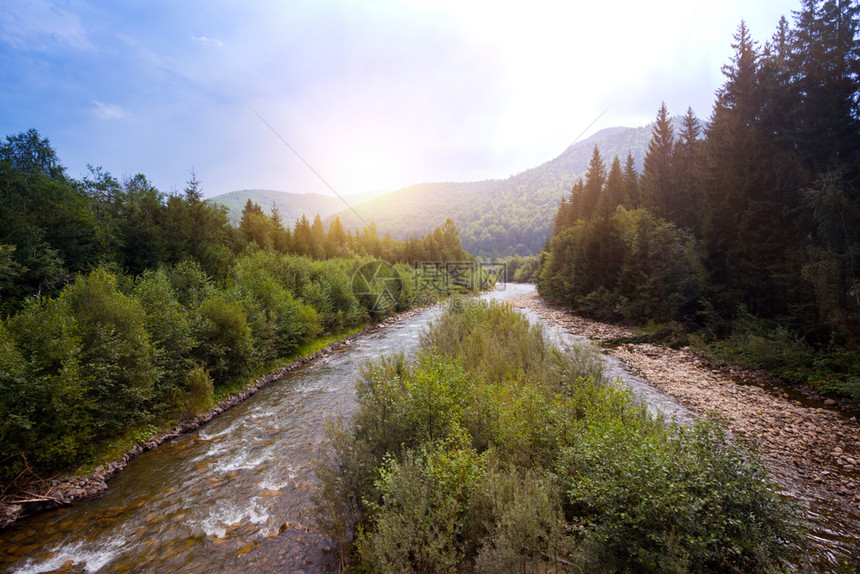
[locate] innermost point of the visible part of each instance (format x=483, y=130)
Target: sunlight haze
x=374, y=95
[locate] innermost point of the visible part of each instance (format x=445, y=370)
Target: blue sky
x=376, y=95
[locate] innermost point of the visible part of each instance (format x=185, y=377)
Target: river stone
x=830, y=403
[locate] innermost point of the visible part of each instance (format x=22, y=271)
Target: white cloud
x=32, y=24
x=204, y=41
x=107, y=111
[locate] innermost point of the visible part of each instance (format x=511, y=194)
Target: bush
x=452, y=463
x=50, y=406
x=170, y=330
x=116, y=355
x=225, y=347
x=279, y=322
x=669, y=499
x=201, y=394
x=78, y=370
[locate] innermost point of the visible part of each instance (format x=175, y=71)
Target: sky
x=373, y=95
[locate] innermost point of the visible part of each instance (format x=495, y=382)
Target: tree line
x=746, y=228
x=124, y=307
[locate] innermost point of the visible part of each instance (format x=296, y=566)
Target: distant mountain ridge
x=291, y=206
x=499, y=217
x=495, y=217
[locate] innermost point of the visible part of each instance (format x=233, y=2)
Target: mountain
x=291, y=206
x=498, y=217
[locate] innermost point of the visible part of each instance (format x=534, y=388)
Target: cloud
x=107, y=111
x=34, y=24
x=207, y=42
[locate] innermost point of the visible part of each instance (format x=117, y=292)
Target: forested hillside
x=496, y=217
x=121, y=306
x=290, y=206
x=746, y=229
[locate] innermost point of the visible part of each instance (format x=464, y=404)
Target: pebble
x=799, y=443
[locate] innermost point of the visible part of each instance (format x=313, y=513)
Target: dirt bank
x=812, y=452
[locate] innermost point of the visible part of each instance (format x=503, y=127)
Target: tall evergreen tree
x=685, y=160
x=595, y=177
x=613, y=191
x=318, y=238
x=826, y=59
x=631, y=183
x=657, y=183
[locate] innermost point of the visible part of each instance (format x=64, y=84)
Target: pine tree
x=336, y=239
x=613, y=192
x=657, y=183
x=685, y=160
x=595, y=177
x=631, y=183
x=826, y=60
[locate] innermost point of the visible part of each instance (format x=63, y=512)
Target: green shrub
x=190, y=283
x=171, y=332
x=225, y=347
x=201, y=394
x=669, y=499
x=452, y=463
x=116, y=355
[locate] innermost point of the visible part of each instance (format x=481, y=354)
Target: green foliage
x=126, y=306
x=224, y=343
x=50, y=408
x=116, y=355
x=200, y=391
x=768, y=345
x=632, y=265
x=520, y=269
x=171, y=331
x=672, y=499
x=763, y=211
x=449, y=465
x=280, y=322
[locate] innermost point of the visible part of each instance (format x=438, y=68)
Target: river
x=235, y=495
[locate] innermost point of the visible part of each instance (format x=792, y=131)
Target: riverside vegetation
x=125, y=308
x=493, y=451
x=745, y=231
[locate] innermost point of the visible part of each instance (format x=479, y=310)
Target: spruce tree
x=595, y=177
x=657, y=183
x=631, y=183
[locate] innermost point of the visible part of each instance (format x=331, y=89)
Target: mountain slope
x=291, y=206
x=497, y=217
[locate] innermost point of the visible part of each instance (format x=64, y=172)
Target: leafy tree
x=29, y=153
x=116, y=354
x=224, y=342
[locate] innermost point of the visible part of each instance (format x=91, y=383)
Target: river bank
x=812, y=452
x=40, y=496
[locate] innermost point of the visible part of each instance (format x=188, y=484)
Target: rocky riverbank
x=47, y=495
x=811, y=449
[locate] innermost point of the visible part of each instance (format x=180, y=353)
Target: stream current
x=235, y=495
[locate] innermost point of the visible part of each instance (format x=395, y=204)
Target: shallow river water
x=234, y=495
